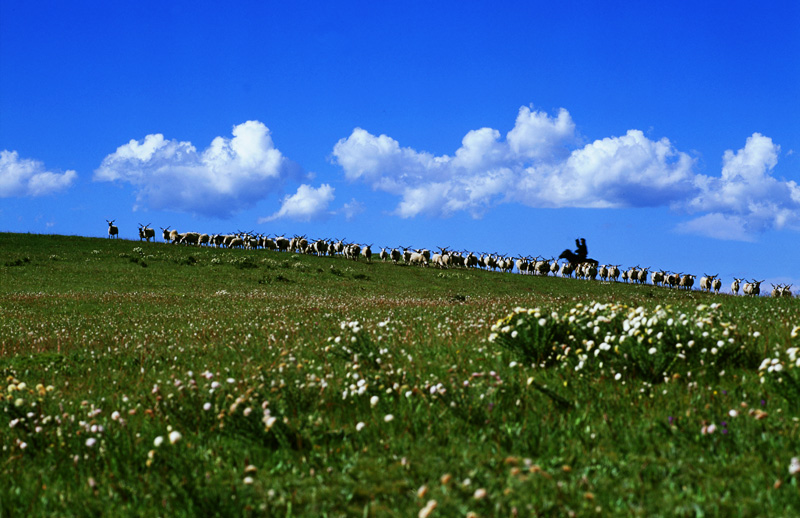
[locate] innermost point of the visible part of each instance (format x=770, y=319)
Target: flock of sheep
x=445, y=258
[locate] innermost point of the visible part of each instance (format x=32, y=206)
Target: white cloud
x=746, y=192
x=532, y=166
x=306, y=204
x=26, y=177
x=352, y=209
x=230, y=175
x=717, y=226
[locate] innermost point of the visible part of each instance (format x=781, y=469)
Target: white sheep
x=706, y=281
x=367, y=253
x=113, y=231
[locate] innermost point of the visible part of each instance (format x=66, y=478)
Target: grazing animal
x=113, y=231
x=145, y=232
x=752, y=288
x=735, y=285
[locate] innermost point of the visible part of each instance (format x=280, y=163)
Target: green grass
x=106, y=345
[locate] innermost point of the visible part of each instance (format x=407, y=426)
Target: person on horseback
x=581, y=252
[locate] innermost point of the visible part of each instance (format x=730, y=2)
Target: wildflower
x=388, y=418
x=360, y=426
x=373, y=401
x=733, y=413
x=248, y=480
x=157, y=441
x=428, y=509
x=479, y=493
x=207, y=407
x=794, y=466
x=91, y=441
x=174, y=436
x=618, y=376
x=652, y=350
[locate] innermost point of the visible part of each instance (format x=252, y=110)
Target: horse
x=574, y=259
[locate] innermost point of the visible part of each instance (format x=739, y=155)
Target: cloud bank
x=540, y=163
x=228, y=176
x=306, y=204
x=746, y=199
x=27, y=177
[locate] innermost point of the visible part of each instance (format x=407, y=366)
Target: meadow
x=145, y=379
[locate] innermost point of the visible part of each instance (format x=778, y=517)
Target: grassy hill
x=151, y=379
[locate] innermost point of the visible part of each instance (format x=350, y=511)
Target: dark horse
x=579, y=255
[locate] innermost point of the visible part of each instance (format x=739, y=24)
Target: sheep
x=521, y=264
x=716, y=285
x=270, y=244
x=657, y=278
x=672, y=279
x=113, y=231
x=752, y=288
x=165, y=232
x=189, y=238
x=632, y=274
x=706, y=282
x=384, y=255
x=217, y=240
x=145, y=232
x=735, y=286
x=283, y=243
x=397, y=255
x=417, y=258
x=542, y=267
x=204, y=239
x=367, y=253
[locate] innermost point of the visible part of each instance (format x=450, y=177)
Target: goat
x=735, y=286
x=145, y=232
x=113, y=231
x=752, y=288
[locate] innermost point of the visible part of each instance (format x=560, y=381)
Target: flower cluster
x=652, y=344
x=782, y=367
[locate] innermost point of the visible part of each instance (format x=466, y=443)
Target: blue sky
x=666, y=135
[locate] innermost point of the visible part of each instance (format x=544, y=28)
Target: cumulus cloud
x=534, y=165
x=27, y=177
x=746, y=197
x=540, y=163
x=306, y=204
x=229, y=175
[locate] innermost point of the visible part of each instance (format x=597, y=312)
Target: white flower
x=360, y=426
x=794, y=466
x=174, y=436
x=157, y=441
x=388, y=418
x=91, y=442
x=652, y=350
x=373, y=400
x=618, y=376
x=207, y=407
x=114, y=415
x=248, y=480
x=479, y=493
